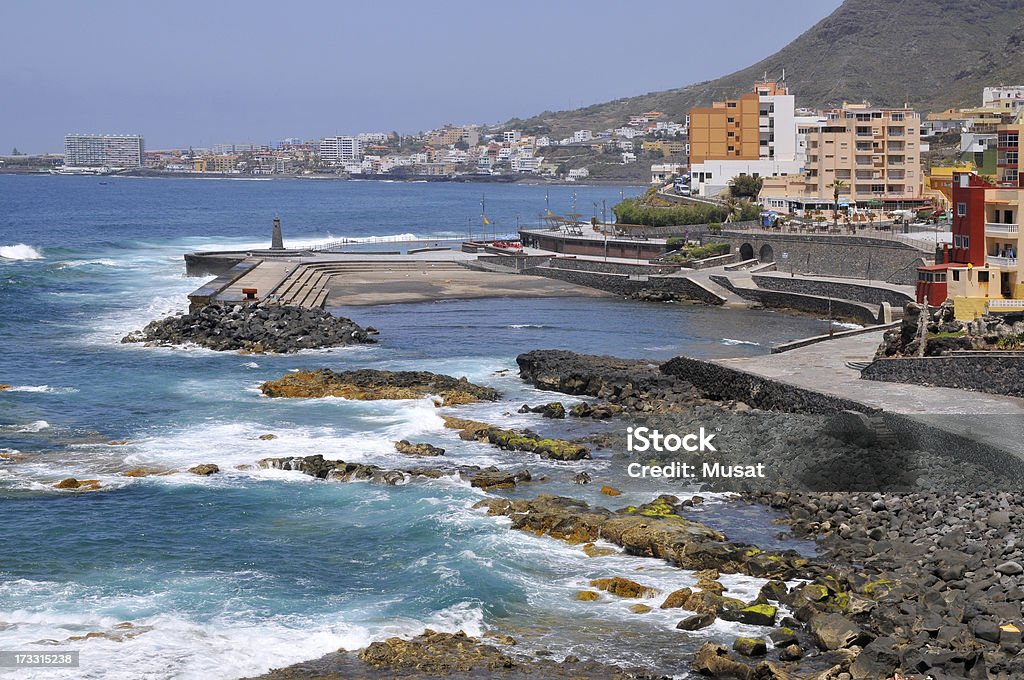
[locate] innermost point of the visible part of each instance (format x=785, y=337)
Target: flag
x=485, y=221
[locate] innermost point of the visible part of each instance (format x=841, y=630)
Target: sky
x=195, y=73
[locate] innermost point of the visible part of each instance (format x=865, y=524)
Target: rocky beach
x=249, y=487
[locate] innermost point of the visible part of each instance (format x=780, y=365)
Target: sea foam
x=19, y=251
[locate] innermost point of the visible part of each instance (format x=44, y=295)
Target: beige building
x=875, y=153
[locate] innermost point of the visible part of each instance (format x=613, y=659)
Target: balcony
x=994, y=261
x=1000, y=228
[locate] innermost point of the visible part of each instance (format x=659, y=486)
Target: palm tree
x=731, y=205
x=836, y=186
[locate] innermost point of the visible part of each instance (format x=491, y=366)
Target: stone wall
x=995, y=374
x=679, y=286
x=718, y=381
x=861, y=292
x=856, y=312
x=832, y=255
x=613, y=267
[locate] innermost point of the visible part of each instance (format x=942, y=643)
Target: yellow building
x=985, y=271
x=941, y=179
x=730, y=130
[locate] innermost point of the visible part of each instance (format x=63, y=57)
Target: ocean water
x=234, y=574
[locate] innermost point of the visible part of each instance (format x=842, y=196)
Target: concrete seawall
x=621, y=284
x=859, y=292
x=857, y=312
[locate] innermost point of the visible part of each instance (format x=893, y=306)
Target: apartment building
x=753, y=135
x=981, y=270
x=338, y=150
x=115, y=151
x=874, y=152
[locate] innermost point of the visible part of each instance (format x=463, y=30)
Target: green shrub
x=634, y=211
x=675, y=242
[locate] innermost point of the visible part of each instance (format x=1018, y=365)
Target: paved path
x=822, y=367
x=987, y=418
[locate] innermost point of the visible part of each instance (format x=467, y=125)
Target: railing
x=1000, y=261
x=1004, y=304
x=1000, y=228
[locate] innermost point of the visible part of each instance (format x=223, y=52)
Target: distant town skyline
x=204, y=74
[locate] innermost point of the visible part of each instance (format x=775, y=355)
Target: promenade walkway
x=822, y=367
x=991, y=419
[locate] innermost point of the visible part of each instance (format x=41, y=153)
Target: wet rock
x=267, y=437
x=72, y=484
x=639, y=609
x=411, y=449
x=697, y=621
x=147, y=472
x=370, y=385
x=258, y=327
x=588, y=595
x=492, y=478
x=582, y=478
x=592, y=550
x=622, y=587
x=554, y=409
x=686, y=543
x=512, y=440
x=754, y=615
x=750, y=646
x=714, y=660
x=4, y=387
x=205, y=469
x=791, y=652
x=610, y=491
x=677, y=598
x=783, y=637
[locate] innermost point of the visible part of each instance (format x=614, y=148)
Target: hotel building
x=115, y=151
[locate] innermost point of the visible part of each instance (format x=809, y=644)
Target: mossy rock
x=587, y=596
x=750, y=646
x=754, y=615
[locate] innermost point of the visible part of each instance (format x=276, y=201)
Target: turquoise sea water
x=231, y=575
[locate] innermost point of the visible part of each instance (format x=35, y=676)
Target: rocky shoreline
x=257, y=327
x=912, y=579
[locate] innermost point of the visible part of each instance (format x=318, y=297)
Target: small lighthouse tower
x=277, y=240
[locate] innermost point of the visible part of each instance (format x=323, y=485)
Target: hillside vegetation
x=932, y=54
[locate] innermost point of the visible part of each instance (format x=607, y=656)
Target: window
x=983, y=277
x=957, y=241
x=967, y=241
x=731, y=105
x=730, y=119
x=956, y=274
x=732, y=148
x=961, y=209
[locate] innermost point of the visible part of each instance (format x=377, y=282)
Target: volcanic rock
x=370, y=385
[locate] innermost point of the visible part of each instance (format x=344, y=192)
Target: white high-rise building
x=115, y=151
x=337, y=150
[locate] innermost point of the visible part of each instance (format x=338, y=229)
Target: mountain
x=932, y=54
